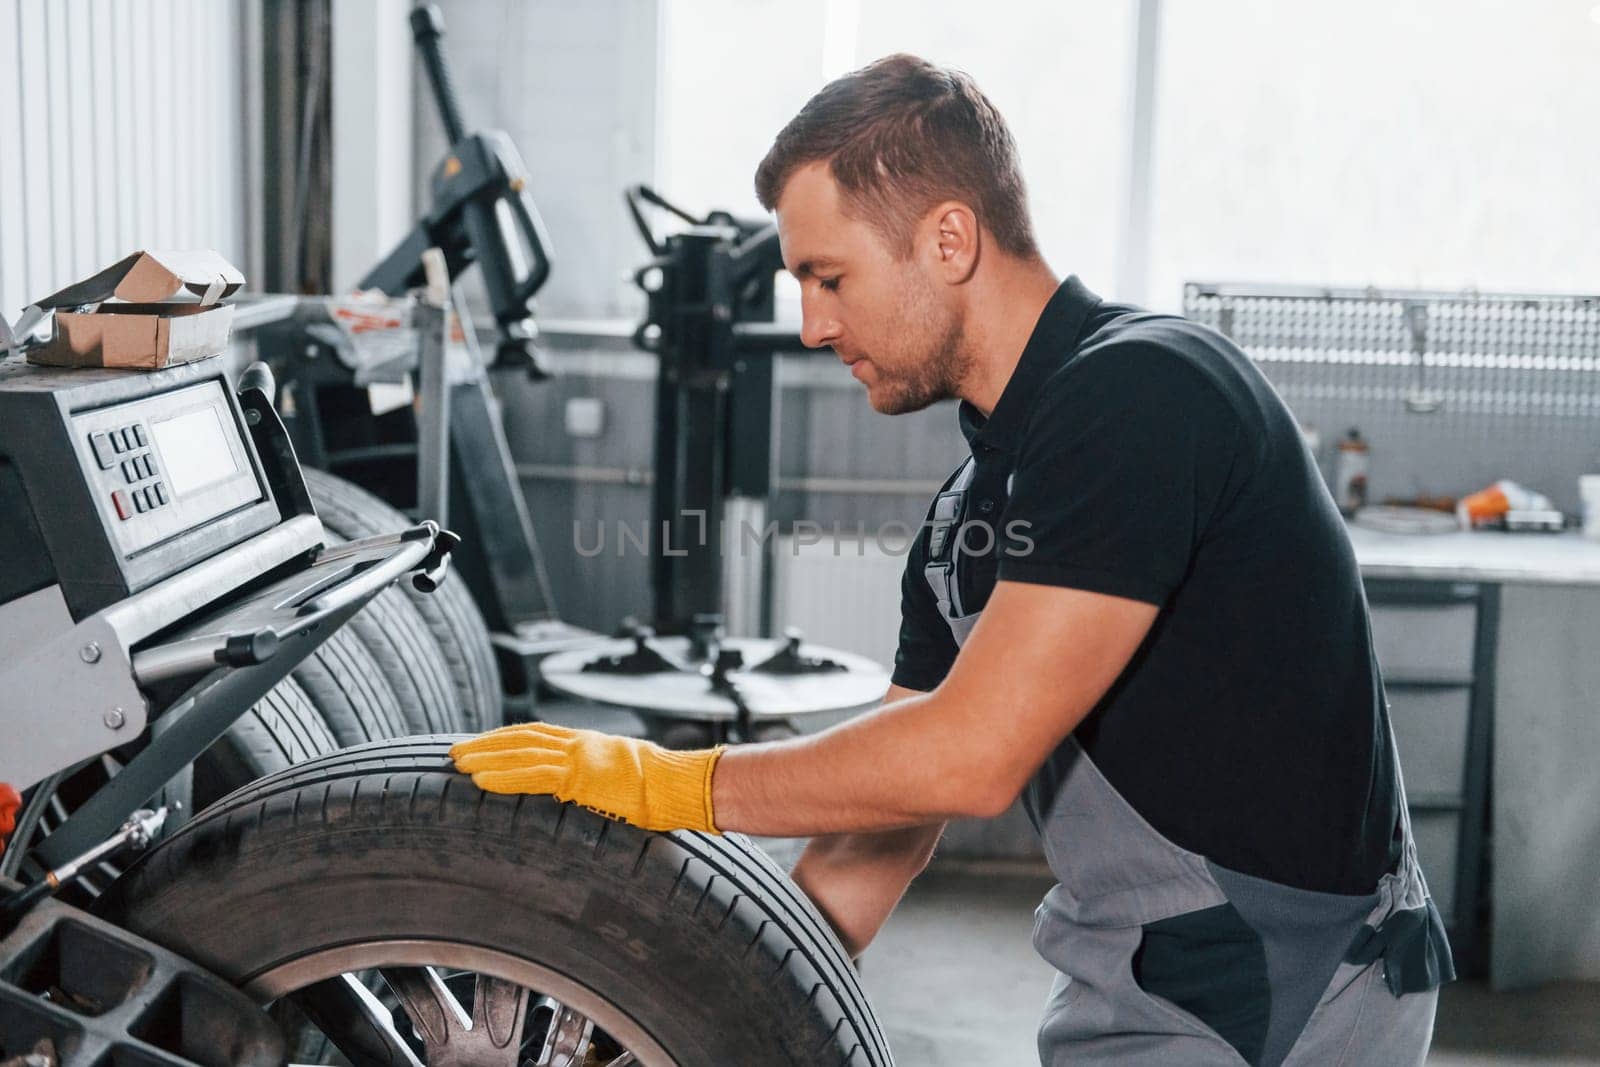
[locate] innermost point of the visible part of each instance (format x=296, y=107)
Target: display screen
x=194, y=449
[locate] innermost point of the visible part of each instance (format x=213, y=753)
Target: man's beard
x=920, y=383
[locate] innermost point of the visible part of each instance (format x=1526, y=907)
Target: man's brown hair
x=900, y=136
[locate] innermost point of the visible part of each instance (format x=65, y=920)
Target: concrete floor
x=956, y=982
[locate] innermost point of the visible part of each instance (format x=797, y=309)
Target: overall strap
x=940, y=568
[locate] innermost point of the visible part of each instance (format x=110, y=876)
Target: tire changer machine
x=447, y=459
x=709, y=323
x=710, y=292
x=164, y=569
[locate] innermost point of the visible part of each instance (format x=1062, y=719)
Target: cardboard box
x=147, y=311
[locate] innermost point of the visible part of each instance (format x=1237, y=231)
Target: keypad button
x=138, y=435
x=122, y=502
x=141, y=463
x=160, y=492
x=130, y=470
x=119, y=440
x=103, y=454
x=141, y=501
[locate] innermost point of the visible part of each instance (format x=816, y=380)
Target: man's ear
x=956, y=240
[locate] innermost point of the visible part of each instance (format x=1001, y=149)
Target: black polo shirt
x=1150, y=459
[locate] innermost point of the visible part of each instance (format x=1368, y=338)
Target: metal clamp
x=137, y=832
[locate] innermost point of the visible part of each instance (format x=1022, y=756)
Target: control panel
x=129, y=441
x=111, y=481
x=167, y=463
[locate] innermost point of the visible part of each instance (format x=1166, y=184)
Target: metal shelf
x=1465, y=914
x=1437, y=681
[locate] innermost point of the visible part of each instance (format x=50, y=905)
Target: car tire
x=348, y=688
x=450, y=613
x=695, y=941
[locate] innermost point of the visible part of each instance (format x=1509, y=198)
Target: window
x=734, y=71
x=1433, y=143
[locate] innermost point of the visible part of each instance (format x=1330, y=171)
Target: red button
x=123, y=505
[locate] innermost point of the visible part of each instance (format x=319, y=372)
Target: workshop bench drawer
x=1430, y=730
x=1425, y=642
x=1438, y=836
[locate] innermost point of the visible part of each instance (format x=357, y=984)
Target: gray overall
x=1346, y=979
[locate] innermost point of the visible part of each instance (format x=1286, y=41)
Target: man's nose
x=816, y=328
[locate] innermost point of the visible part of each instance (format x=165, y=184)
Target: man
x=1135, y=605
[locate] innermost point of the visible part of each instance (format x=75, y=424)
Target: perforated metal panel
x=1486, y=385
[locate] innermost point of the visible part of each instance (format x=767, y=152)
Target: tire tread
x=767, y=910
x=281, y=729
x=345, y=684
x=449, y=613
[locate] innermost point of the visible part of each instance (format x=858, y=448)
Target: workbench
x=1541, y=670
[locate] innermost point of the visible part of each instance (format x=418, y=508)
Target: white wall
x=119, y=130
x=371, y=97
x=574, y=84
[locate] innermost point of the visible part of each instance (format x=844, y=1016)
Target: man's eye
x=830, y=284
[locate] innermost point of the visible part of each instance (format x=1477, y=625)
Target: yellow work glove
x=622, y=777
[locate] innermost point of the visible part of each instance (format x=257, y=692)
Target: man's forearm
x=914, y=762
x=1038, y=662
x=1041, y=658
x=856, y=880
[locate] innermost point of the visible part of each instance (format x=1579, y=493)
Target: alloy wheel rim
x=425, y=958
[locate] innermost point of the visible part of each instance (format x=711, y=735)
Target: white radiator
x=119, y=131
x=847, y=600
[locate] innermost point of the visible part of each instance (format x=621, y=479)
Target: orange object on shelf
x=10, y=801
x=1483, y=506
x=1491, y=504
